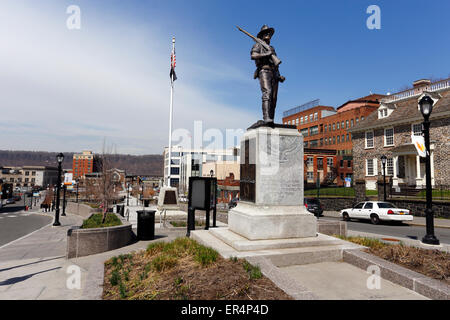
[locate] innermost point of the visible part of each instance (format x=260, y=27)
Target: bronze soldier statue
x=267, y=71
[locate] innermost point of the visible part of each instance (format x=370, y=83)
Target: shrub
x=155, y=247
x=163, y=262
x=205, y=256
x=253, y=271
x=115, y=278
x=95, y=221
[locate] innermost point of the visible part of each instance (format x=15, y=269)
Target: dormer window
x=384, y=112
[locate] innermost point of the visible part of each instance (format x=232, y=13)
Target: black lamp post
x=128, y=194
x=426, y=107
x=54, y=198
x=60, y=159
x=64, y=200
x=383, y=162
x=78, y=183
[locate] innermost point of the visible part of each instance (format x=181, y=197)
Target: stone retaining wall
x=417, y=207
x=85, y=242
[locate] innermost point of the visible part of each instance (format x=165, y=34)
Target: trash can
x=119, y=209
x=146, y=224
x=147, y=203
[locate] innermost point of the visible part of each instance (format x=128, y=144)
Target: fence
x=439, y=192
x=327, y=191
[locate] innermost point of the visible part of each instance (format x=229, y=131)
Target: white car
x=376, y=211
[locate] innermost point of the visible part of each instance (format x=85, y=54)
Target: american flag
x=173, y=63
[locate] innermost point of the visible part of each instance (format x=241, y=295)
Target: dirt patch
x=432, y=263
x=183, y=269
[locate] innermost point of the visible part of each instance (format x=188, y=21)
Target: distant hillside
x=151, y=164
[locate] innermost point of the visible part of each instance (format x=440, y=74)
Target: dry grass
x=184, y=269
x=432, y=263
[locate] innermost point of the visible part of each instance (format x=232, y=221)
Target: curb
x=424, y=225
x=402, y=276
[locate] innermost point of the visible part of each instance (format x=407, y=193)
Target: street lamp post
x=60, y=159
x=54, y=198
x=78, y=183
x=383, y=162
x=426, y=107
x=64, y=200
x=128, y=194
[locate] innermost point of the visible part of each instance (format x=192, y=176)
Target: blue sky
x=68, y=90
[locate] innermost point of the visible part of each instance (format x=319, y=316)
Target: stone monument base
x=271, y=222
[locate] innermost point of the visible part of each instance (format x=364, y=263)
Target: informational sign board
x=68, y=179
x=348, y=182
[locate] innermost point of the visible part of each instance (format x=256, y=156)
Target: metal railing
x=439, y=85
x=439, y=192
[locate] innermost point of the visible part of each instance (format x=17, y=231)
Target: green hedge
x=95, y=221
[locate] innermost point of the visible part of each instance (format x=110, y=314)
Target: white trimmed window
x=311, y=117
x=310, y=175
x=388, y=137
x=371, y=167
x=390, y=166
x=296, y=121
x=330, y=162
x=337, y=126
x=310, y=161
x=416, y=129
x=369, y=139
x=301, y=120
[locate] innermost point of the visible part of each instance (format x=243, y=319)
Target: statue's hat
x=265, y=29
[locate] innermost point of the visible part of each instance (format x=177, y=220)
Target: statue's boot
x=266, y=114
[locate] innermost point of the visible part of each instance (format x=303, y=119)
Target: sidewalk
x=418, y=221
x=34, y=267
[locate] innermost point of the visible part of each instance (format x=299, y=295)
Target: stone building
x=388, y=132
x=29, y=176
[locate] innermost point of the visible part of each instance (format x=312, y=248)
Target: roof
x=405, y=111
x=373, y=98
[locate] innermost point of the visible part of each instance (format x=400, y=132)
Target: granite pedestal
x=271, y=187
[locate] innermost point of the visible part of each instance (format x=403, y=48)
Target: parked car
x=10, y=201
x=313, y=205
x=376, y=211
x=233, y=203
x=17, y=198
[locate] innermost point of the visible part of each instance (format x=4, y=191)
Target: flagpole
x=170, y=119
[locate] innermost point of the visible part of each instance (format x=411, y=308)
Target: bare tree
x=106, y=182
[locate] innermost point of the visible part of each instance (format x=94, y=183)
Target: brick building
x=388, y=132
x=84, y=163
x=325, y=128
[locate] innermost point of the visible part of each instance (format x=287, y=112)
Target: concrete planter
x=85, y=242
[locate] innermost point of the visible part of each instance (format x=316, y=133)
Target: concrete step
x=304, y=253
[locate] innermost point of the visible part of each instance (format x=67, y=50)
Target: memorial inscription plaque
x=248, y=173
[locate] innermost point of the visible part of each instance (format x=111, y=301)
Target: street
x=16, y=223
x=389, y=229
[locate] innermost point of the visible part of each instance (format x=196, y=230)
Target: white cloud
x=67, y=90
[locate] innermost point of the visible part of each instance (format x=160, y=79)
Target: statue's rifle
x=274, y=58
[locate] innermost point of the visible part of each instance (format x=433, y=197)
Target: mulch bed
x=431, y=263
x=185, y=278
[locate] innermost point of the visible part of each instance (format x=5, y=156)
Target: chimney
x=421, y=85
